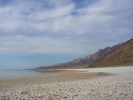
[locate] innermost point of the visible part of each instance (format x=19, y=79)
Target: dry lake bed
x=114, y=83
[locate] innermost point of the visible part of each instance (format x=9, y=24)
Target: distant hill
x=118, y=55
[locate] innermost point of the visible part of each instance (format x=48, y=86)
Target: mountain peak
x=117, y=55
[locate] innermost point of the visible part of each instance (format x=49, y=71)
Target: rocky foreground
x=115, y=87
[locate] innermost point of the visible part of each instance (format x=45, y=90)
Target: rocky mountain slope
x=118, y=55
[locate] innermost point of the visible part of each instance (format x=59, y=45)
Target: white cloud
x=56, y=13
x=29, y=27
x=26, y=45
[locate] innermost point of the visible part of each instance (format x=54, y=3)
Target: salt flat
x=118, y=86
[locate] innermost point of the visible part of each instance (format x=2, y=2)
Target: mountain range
x=117, y=55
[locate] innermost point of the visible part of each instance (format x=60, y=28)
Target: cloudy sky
x=45, y=32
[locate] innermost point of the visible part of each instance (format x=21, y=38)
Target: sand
x=70, y=85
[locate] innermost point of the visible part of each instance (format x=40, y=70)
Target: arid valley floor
x=77, y=84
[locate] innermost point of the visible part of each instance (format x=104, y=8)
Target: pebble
x=109, y=88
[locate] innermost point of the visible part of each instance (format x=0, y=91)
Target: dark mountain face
x=118, y=55
x=100, y=54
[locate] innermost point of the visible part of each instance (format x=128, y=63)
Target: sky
x=46, y=32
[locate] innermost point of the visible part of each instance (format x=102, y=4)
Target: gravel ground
x=114, y=87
